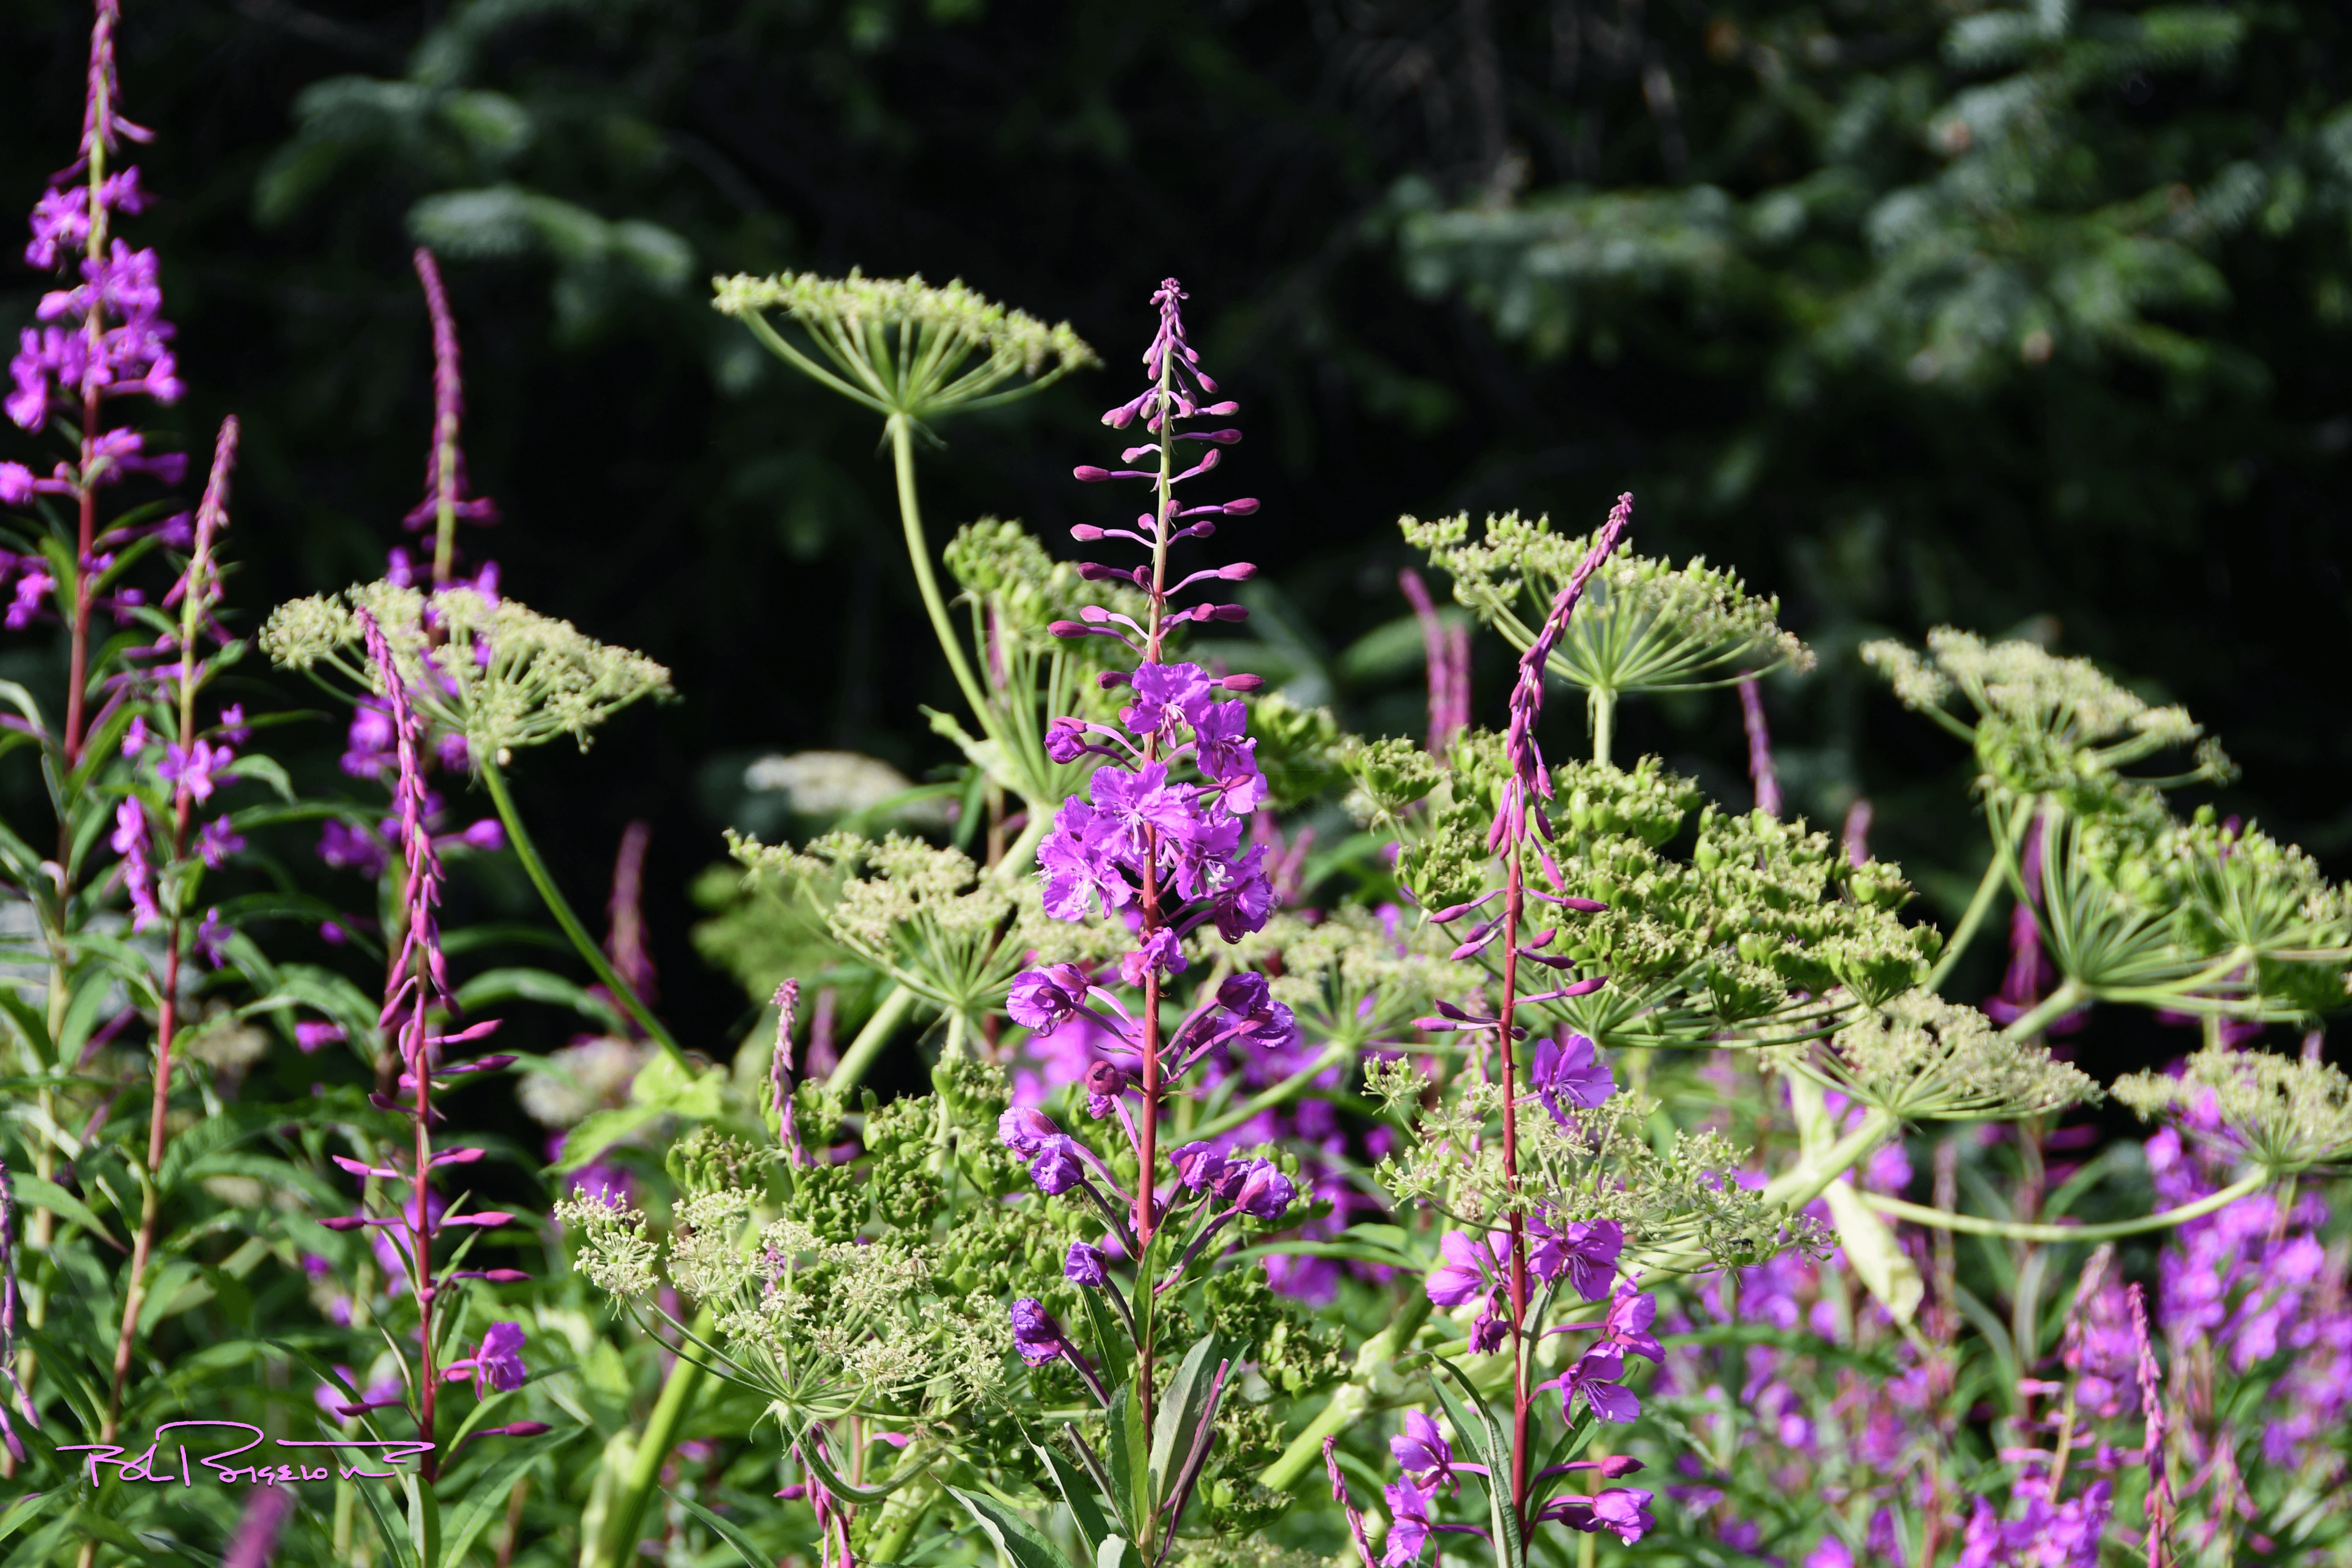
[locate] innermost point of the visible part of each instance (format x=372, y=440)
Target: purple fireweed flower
x=1025, y=1130
x=1035, y=1332
x=1161, y=951
x=1199, y=1166
x=197, y=768
x=497, y=1366
x=1529, y=783
x=1169, y=699
x=487, y=837
x=1467, y=1272
x=353, y=849
x=130, y=840
x=1624, y=1511
x=1595, y=1376
x=1045, y=998
x=1056, y=1166
x=31, y=590
x=1571, y=1074
x=216, y=841
x=210, y=939
x=1264, y=1193
x=1422, y=1451
x=1244, y=993
x=368, y=750
x=1408, y=1523
x=1086, y=1264
x=1759, y=747
x=445, y=461
x=1586, y=1250
x=311, y=1036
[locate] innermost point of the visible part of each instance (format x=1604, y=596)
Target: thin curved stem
x=870, y=1040
x=2022, y=1230
x=918, y=551
x=2067, y=998
x=536, y=869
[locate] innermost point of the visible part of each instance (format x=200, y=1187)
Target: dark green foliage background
x=1484, y=255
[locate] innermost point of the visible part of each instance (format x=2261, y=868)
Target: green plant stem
x=918, y=551
x=1965, y=932
x=870, y=1040
x=527, y=853
x=2021, y=1230
x=2068, y=996
x=617, y=1544
x=1236, y=1115
x=1604, y=705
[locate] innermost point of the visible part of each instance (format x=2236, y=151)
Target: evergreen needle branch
x=2021, y=1230
x=527, y=853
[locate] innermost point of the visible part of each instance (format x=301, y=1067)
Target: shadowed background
x=1913, y=312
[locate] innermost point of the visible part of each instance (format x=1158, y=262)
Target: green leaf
x=43, y=1193
x=1111, y=1342
x=1126, y=1457
x=600, y=1131
x=424, y=1520
x=266, y=770
x=1179, y=1415
x=1078, y=1493
x=732, y=1534
x=1870, y=1246
x=1475, y=1427
x=30, y=1025
x=486, y=1498
x=1014, y=1536
x=1118, y=1551
x=839, y=1488
x=493, y=987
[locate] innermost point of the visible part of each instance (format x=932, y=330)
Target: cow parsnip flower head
x=2284, y=1114
x=902, y=346
x=497, y=672
x=1923, y=1059
x=1644, y=624
x=2043, y=724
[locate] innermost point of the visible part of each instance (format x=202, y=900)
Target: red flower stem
x=1522, y=1449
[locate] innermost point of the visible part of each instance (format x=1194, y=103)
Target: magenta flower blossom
x=311, y=1035
x=130, y=840
x=353, y=849
x=216, y=841
x=33, y=589
x=197, y=769
x=1025, y=1130
x=1264, y=1192
x=1409, y=1524
x=1624, y=1511
x=1468, y=1270
x=1571, y=1074
x=1036, y=1334
x=1045, y=998
x=1086, y=1264
x=1422, y=1451
x=1199, y=1166
x=1055, y=1167
x=1530, y=783
x=497, y=1366
x=1586, y=1250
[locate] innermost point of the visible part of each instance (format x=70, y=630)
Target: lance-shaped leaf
x=1014, y=1536
x=1179, y=1415
x=1072, y=1482
x=1477, y=1427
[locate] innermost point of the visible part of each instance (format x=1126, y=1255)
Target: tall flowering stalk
x=446, y=503
x=195, y=767
x=1446, y=650
x=108, y=340
x=420, y=987
x=1521, y=812
x=1165, y=855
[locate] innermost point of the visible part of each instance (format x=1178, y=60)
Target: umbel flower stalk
x=912, y=353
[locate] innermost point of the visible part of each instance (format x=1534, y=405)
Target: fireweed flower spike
x=102, y=339
x=194, y=767
x=418, y=986
x=446, y=503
